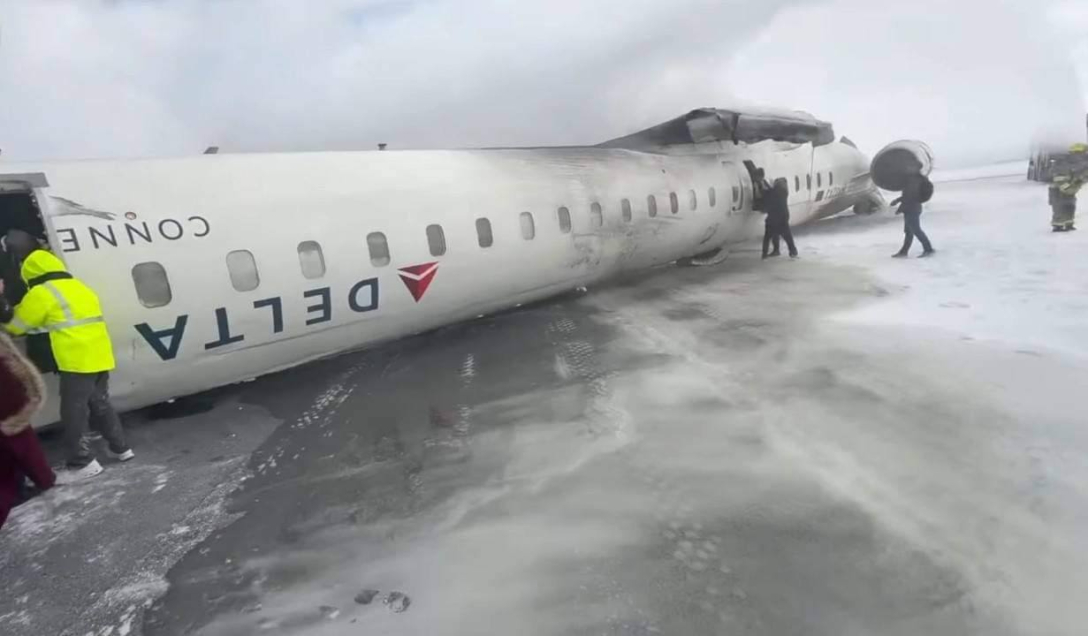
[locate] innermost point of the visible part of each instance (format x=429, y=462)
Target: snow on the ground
x=1000, y=274
x=826, y=483
x=1005, y=169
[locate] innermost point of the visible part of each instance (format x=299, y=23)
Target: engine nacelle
x=899, y=160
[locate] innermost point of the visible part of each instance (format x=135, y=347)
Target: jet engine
x=896, y=162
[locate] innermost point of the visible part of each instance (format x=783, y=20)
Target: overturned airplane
x=280, y=259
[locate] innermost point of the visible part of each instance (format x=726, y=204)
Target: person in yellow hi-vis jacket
x=58, y=304
x=1063, y=189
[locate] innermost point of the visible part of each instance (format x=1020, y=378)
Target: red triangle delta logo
x=417, y=278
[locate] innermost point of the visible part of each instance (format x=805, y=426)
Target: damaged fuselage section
x=736, y=126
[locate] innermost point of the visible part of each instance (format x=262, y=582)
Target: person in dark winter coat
x=777, y=224
x=917, y=191
x=21, y=395
x=760, y=188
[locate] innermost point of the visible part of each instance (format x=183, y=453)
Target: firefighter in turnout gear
x=68, y=311
x=1063, y=192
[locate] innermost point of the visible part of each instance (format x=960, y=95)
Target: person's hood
x=39, y=263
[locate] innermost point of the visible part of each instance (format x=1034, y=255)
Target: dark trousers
x=21, y=454
x=1064, y=213
x=772, y=232
x=85, y=402
x=912, y=227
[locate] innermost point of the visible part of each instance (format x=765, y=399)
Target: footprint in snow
x=365, y=597
x=397, y=602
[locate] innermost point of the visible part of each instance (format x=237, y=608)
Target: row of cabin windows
x=485, y=237
x=808, y=181
x=153, y=285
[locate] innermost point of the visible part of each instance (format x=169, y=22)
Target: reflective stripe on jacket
x=1069, y=185
x=68, y=311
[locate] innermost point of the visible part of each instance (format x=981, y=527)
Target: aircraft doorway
x=19, y=210
x=739, y=187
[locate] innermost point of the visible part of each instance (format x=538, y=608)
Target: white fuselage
x=322, y=283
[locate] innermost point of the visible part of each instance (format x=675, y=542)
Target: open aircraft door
x=740, y=186
x=20, y=208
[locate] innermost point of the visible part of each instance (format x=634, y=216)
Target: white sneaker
x=72, y=475
x=123, y=457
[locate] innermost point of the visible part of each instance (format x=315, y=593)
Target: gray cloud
x=977, y=79
x=122, y=78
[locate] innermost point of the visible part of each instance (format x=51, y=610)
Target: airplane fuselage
x=216, y=269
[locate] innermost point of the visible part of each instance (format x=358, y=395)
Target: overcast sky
x=87, y=78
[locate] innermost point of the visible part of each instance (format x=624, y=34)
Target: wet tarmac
x=689, y=451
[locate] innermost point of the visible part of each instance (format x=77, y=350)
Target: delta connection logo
x=417, y=278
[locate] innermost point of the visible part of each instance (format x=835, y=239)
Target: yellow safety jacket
x=1069, y=185
x=68, y=311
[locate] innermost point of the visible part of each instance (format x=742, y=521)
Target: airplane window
x=819, y=180
x=243, y=270
x=736, y=194
x=674, y=202
x=528, y=228
x=379, y=249
x=693, y=199
x=830, y=178
x=311, y=260
x=796, y=183
x=483, y=232
x=595, y=215
x=152, y=285
x=712, y=197
x=808, y=181
x=564, y=220
x=436, y=240
x=651, y=205
x=625, y=208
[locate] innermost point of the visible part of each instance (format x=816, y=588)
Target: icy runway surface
x=846, y=444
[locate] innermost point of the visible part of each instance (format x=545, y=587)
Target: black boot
x=900, y=254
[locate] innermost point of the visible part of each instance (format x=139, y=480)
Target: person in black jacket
x=917, y=191
x=777, y=224
x=760, y=188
